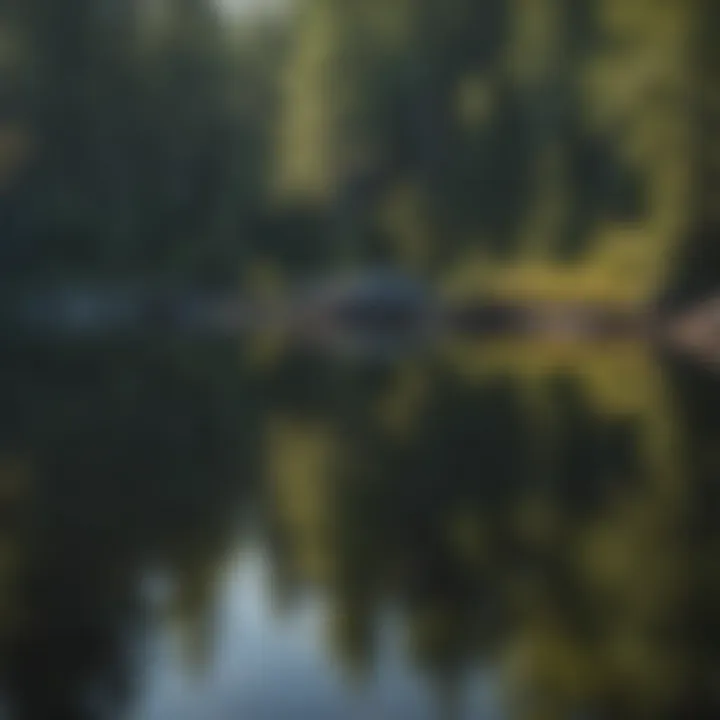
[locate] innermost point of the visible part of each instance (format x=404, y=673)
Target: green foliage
x=152, y=136
x=168, y=140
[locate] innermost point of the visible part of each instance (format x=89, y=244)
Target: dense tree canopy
x=513, y=145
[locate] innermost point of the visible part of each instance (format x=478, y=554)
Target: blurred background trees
x=526, y=148
x=149, y=122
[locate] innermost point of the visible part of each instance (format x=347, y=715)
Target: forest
x=546, y=149
x=558, y=502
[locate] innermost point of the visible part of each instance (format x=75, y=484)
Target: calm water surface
x=211, y=532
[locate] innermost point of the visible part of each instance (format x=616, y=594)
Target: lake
x=471, y=530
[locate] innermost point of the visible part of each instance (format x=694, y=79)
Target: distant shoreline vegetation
x=506, y=157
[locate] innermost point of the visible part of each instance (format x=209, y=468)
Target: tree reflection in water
x=553, y=520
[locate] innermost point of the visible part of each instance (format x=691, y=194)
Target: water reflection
x=256, y=647
x=473, y=532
